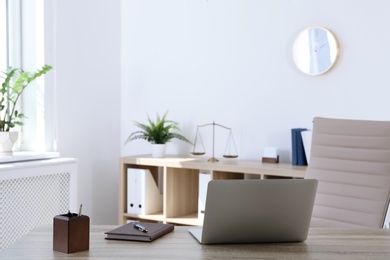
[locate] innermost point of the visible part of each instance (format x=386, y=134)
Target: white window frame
x=3, y=35
x=32, y=42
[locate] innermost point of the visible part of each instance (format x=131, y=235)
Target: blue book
x=298, y=151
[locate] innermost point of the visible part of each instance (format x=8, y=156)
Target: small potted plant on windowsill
x=158, y=133
x=15, y=82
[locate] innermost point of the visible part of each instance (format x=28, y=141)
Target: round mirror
x=315, y=50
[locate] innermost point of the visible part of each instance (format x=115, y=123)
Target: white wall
x=218, y=60
x=230, y=61
x=88, y=89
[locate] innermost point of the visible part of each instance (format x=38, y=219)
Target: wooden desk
x=321, y=244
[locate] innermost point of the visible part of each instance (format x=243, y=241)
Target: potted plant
x=158, y=133
x=15, y=82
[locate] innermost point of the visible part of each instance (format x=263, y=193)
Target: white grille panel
x=32, y=198
x=28, y=202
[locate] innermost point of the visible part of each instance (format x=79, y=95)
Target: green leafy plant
x=15, y=82
x=160, y=131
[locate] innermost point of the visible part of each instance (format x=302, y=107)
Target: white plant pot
x=158, y=150
x=7, y=141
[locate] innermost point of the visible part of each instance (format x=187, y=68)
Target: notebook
x=257, y=211
x=145, y=232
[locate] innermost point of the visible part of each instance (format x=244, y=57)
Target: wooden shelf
x=190, y=220
x=180, y=181
x=158, y=217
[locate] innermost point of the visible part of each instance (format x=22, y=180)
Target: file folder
x=298, y=152
x=306, y=138
x=143, y=194
x=204, y=179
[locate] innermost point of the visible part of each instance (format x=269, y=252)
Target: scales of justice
x=229, y=146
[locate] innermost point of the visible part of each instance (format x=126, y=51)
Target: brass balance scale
x=229, y=146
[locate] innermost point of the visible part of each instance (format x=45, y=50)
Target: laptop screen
x=251, y=211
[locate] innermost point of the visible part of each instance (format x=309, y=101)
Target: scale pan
x=198, y=153
x=230, y=156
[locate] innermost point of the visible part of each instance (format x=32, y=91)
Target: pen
x=140, y=227
x=81, y=206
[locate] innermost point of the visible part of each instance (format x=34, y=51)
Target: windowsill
x=27, y=156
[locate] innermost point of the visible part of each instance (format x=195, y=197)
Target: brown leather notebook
x=130, y=232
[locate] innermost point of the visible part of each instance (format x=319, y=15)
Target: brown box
x=270, y=160
x=70, y=233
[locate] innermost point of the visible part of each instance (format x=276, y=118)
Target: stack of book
x=298, y=151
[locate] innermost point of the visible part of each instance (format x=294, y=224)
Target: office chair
x=351, y=160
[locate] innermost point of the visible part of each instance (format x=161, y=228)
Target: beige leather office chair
x=351, y=160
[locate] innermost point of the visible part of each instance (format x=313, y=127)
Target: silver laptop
x=257, y=211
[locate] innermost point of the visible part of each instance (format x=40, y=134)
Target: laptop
x=257, y=211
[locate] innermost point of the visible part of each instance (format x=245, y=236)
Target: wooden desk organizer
x=270, y=160
x=71, y=233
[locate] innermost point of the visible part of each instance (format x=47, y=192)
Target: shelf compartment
x=159, y=217
x=249, y=176
x=220, y=175
x=180, y=192
x=190, y=220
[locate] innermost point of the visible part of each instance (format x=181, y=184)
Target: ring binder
x=143, y=194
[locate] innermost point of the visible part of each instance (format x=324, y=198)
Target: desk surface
x=179, y=244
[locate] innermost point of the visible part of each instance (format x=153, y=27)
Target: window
x=22, y=25
x=3, y=35
x=11, y=31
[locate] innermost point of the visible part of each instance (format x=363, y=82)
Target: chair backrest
x=351, y=161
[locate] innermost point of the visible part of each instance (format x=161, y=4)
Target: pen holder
x=70, y=233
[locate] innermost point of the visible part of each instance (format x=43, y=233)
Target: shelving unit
x=180, y=180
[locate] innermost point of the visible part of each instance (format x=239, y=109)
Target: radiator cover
x=32, y=193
